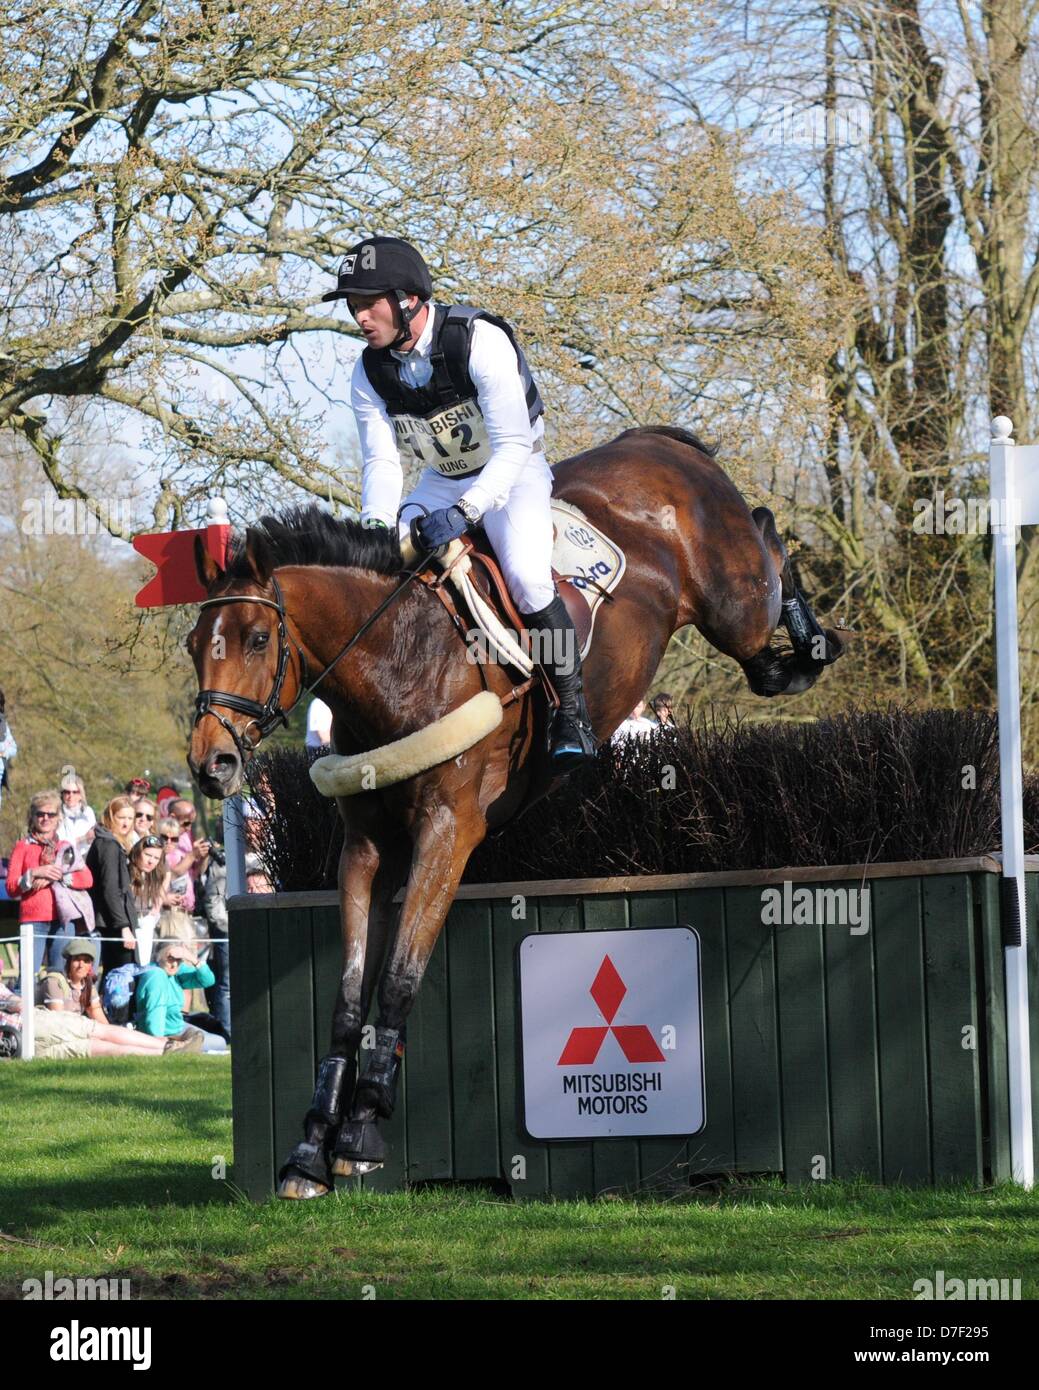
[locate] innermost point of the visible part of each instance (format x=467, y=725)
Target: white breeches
x=520, y=532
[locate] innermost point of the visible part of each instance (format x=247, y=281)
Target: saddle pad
x=582, y=558
x=586, y=557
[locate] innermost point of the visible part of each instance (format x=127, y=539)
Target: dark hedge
x=868, y=785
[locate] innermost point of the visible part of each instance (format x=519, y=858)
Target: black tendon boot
x=571, y=740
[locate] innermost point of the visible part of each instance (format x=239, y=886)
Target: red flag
x=173, y=554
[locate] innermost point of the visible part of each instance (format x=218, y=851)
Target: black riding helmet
x=385, y=265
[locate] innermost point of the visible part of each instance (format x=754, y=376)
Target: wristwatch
x=469, y=511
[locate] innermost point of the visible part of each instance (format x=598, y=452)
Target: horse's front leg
x=447, y=837
x=366, y=906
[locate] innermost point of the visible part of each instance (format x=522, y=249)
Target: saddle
x=587, y=567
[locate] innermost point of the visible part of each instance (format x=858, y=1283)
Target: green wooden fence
x=826, y=1053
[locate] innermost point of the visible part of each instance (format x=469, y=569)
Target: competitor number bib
x=453, y=441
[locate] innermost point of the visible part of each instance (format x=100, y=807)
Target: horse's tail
x=789, y=670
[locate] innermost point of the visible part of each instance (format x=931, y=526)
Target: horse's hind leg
x=772, y=672
x=766, y=524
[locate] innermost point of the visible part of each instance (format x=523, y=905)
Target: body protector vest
x=440, y=425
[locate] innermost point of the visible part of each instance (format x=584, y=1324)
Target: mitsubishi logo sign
x=636, y=1040
x=611, y=1031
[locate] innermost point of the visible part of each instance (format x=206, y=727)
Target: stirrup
x=572, y=743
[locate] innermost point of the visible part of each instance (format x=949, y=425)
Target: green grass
x=106, y=1171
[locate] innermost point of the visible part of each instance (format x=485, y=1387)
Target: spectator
x=138, y=787
x=663, y=708
x=72, y=988
x=160, y=998
x=184, y=813
x=635, y=726
x=255, y=811
x=10, y=1023
x=177, y=918
x=212, y=885
x=256, y=881
x=77, y=822
x=8, y=747
x=38, y=862
x=150, y=886
x=114, y=910
x=74, y=907
x=143, y=817
x=319, y=724
x=70, y=1022
x=179, y=861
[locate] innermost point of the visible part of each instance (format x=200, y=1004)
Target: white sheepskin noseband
x=396, y=762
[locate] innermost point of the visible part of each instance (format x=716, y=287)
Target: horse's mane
x=673, y=432
x=312, y=536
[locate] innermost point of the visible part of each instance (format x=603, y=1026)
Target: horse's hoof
x=296, y=1188
x=361, y=1145
x=344, y=1167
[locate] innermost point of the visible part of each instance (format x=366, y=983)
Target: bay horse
x=301, y=583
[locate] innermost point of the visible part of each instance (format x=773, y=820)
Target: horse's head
x=240, y=647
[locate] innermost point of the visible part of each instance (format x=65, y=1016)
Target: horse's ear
x=206, y=567
x=258, y=557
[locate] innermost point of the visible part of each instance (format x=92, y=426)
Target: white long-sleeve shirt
x=492, y=366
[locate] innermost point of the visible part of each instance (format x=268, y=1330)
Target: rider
x=449, y=388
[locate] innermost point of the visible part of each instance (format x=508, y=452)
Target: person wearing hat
x=72, y=989
x=447, y=388
x=69, y=1020
x=77, y=821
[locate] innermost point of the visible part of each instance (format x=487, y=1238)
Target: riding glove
x=439, y=527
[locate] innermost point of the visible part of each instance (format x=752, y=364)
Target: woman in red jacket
x=35, y=866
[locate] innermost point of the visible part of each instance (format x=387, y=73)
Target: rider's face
x=377, y=318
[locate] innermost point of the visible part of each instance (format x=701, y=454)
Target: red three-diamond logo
x=637, y=1042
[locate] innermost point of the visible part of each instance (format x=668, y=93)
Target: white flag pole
x=1004, y=520
x=28, y=987
x=234, y=845
x=234, y=821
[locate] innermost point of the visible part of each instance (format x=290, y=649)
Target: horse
x=301, y=583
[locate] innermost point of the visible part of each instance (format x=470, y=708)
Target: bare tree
x=180, y=177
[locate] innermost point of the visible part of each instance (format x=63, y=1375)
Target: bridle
x=270, y=714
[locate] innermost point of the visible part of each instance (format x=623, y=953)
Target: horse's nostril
x=222, y=766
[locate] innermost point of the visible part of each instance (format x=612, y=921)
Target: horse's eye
x=260, y=639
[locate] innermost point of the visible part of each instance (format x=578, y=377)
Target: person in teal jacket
x=159, y=998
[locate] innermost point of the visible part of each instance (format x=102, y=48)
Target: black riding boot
x=572, y=742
